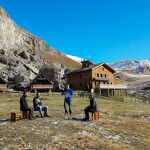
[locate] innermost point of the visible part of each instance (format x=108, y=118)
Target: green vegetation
x=121, y=125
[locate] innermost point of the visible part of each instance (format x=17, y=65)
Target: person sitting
x=24, y=105
x=37, y=103
x=91, y=108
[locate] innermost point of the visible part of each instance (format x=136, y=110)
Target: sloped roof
x=90, y=68
x=40, y=73
x=3, y=80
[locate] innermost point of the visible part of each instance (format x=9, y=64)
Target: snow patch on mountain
x=75, y=58
x=142, y=66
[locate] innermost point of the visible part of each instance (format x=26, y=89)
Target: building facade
x=90, y=76
x=40, y=83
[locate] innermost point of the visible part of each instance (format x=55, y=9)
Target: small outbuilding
x=3, y=84
x=40, y=83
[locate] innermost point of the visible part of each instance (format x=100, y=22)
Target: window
x=97, y=75
x=80, y=76
x=81, y=84
x=102, y=69
x=101, y=75
x=105, y=75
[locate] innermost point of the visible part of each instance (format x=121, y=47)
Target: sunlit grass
x=129, y=121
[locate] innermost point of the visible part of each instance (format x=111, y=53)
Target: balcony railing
x=41, y=86
x=3, y=86
x=113, y=86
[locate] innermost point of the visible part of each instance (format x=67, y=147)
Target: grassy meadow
x=121, y=126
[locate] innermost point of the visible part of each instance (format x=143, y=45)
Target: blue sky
x=105, y=30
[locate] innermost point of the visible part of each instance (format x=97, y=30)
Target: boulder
x=31, y=68
x=3, y=60
x=32, y=58
x=24, y=55
x=19, y=78
x=2, y=52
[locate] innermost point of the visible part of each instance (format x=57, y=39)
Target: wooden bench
x=95, y=115
x=14, y=115
x=23, y=115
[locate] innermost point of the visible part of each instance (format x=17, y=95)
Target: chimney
x=86, y=63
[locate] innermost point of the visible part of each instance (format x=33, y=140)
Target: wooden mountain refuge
x=3, y=84
x=40, y=83
x=90, y=76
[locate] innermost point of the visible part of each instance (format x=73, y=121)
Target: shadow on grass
x=77, y=119
x=4, y=120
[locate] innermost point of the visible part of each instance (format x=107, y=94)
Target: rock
x=32, y=58
x=16, y=52
x=55, y=73
x=3, y=60
x=18, y=78
x=2, y=52
x=24, y=55
x=32, y=68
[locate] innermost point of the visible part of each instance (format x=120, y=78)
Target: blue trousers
x=40, y=108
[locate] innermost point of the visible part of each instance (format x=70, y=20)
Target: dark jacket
x=23, y=103
x=93, y=104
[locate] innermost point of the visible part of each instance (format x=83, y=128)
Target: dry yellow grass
x=56, y=57
x=121, y=126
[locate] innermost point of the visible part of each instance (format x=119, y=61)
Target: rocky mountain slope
x=142, y=66
x=140, y=88
x=22, y=54
x=136, y=73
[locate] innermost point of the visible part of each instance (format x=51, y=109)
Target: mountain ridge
x=23, y=54
x=142, y=66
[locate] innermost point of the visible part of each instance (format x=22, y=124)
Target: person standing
x=68, y=92
x=24, y=105
x=91, y=108
x=37, y=103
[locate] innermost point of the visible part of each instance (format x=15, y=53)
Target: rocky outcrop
x=140, y=88
x=55, y=72
x=22, y=54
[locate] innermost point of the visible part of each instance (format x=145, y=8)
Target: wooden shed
x=40, y=83
x=3, y=84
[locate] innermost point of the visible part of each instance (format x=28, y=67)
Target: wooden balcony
x=3, y=86
x=42, y=86
x=113, y=86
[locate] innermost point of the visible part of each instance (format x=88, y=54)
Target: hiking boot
x=85, y=119
x=42, y=116
x=47, y=116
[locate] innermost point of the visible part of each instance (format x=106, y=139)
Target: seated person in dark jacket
x=24, y=105
x=91, y=108
x=37, y=103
